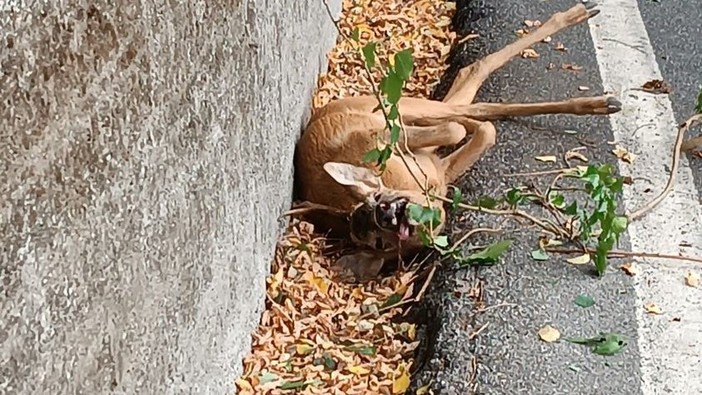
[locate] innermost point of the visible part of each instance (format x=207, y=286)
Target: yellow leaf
x=401, y=382
x=546, y=158
x=320, y=283
x=579, y=260
x=359, y=370
x=549, y=334
x=303, y=349
x=423, y=390
x=652, y=308
x=692, y=279
x=629, y=268
x=243, y=384
x=623, y=154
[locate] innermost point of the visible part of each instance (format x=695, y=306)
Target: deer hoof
x=590, y=5
x=613, y=105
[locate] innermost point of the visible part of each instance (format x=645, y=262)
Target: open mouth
x=392, y=217
x=404, y=229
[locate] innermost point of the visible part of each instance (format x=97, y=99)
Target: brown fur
x=329, y=155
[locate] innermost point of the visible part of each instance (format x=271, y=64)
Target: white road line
x=671, y=352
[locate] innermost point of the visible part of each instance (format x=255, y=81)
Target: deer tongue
x=403, y=232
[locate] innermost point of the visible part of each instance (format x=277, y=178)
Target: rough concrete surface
x=145, y=156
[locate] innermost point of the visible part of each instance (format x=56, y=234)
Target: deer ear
x=360, y=180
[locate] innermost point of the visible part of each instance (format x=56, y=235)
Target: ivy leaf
x=489, y=255
x=619, y=224
x=391, y=85
x=486, y=202
x=394, y=113
x=539, y=255
x=441, y=241
x=369, y=54
x=605, y=344
x=395, y=133
x=372, y=156
x=356, y=34
x=584, y=301
x=457, y=198
x=404, y=64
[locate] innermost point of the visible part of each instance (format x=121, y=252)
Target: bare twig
x=542, y=173
x=620, y=254
x=679, y=148
x=471, y=233
x=544, y=224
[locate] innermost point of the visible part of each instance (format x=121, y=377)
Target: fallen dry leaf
x=423, y=390
x=550, y=66
x=583, y=88
x=573, y=154
x=547, y=39
x=630, y=268
x=579, y=260
x=560, y=47
x=624, y=155
x=652, y=308
x=692, y=279
x=571, y=67
x=657, y=87
x=401, y=381
x=530, y=53
x=546, y=158
x=549, y=334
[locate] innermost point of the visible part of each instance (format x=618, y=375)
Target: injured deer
x=331, y=173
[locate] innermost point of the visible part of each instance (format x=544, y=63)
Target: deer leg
x=471, y=78
x=426, y=139
x=461, y=160
x=600, y=105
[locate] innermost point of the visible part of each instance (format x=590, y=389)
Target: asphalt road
x=498, y=351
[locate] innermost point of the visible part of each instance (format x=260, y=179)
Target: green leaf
x=619, y=224
x=356, y=34
x=392, y=300
x=698, y=107
x=441, y=241
x=394, y=133
x=290, y=385
x=372, y=156
x=391, y=86
x=584, y=301
x=363, y=350
x=486, y=202
x=457, y=198
x=539, y=255
x=369, y=53
x=572, y=209
x=326, y=360
x=514, y=197
x=394, y=112
x=605, y=344
x=558, y=200
x=404, y=64
x=489, y=254
x=267, y=377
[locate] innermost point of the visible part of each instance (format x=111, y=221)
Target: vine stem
x=620, y=254
x=677, y=151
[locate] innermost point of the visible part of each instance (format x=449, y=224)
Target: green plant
x=604, y=189
x=698, y=107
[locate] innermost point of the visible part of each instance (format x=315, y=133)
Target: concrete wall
x=145, y=156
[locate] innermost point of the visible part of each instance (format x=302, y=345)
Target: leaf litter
x=323, y=336
x=422, y=25
x=320, y=335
